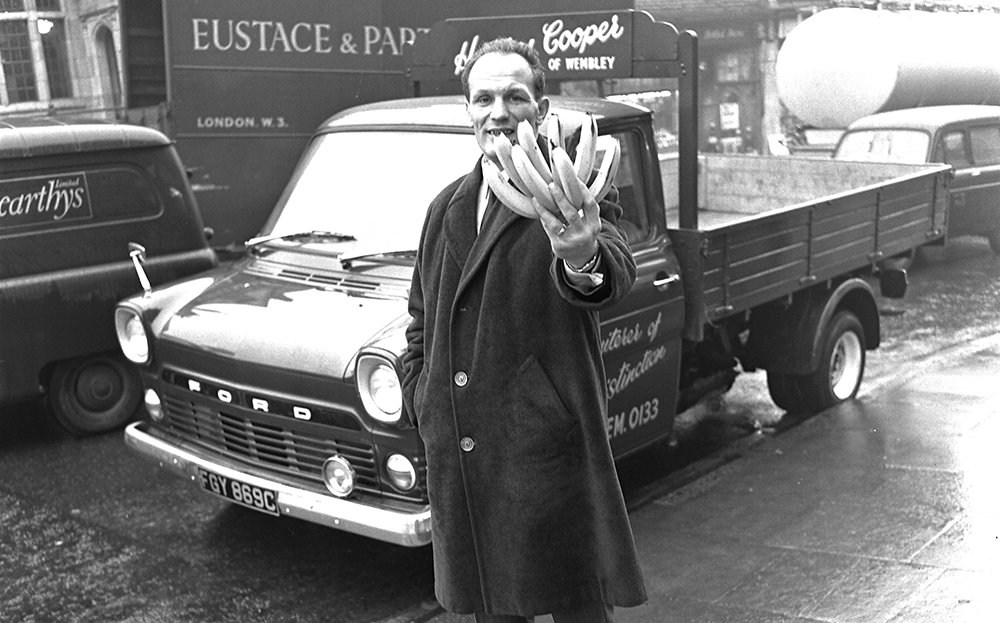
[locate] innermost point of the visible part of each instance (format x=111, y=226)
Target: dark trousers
x=590, y=613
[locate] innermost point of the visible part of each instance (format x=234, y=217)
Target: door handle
x=663, y=283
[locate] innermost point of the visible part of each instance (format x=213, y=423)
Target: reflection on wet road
x=90, y=532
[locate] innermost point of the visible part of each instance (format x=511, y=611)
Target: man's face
x=501, y=95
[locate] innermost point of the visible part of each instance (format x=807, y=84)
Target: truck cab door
x=641, y=335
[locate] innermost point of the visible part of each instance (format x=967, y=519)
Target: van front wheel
x=94, y=394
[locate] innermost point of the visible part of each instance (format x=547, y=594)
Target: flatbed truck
x=274, y=381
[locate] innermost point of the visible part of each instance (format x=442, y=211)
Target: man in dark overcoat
x=505, y=381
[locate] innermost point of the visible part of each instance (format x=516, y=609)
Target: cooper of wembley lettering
x=44, y=199
x=572, y=50
x=557, y=39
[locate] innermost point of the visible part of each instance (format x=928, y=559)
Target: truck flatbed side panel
x=750, y=259
x=755, y=261
x=910, y=211
x=733, y=187
x=844, y=234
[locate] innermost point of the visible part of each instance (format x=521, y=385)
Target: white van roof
x=30, y=137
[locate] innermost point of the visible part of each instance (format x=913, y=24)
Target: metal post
x=687, y=135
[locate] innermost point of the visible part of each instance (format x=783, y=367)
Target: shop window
x=33, y=44
x=735, y=66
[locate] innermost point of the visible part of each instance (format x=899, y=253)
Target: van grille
x=291, y=453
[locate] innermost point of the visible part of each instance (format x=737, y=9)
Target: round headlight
x=132, y=335
x=338, y=475
x=401, y=472
x=380, y=390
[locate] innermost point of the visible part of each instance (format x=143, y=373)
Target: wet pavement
x=872, y=512
x=884, y=509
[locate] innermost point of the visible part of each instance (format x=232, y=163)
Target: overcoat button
x=467, y=444
x=461, y=378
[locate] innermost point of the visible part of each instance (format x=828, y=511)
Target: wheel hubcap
x=846, y=365
x=98, y=387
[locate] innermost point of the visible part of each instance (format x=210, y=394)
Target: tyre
x=786, y=392
x=94, y=394
x=994, y=239
x=841, y=364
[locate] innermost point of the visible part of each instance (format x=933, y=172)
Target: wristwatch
x=589, y=266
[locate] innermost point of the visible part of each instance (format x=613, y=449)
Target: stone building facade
x=58, y=56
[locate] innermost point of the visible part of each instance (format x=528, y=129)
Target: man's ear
x=543, y=109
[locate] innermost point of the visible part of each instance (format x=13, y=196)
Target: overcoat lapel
x=467, y=248
x=500, y=218
x=460, y=218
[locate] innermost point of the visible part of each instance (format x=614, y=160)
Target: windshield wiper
x=346, y=260
x=329, y=235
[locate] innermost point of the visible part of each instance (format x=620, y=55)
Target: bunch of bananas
x=526, y=175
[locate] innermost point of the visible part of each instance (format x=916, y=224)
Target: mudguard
x=785, y=337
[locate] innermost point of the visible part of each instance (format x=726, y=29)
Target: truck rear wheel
x=94, y=394
x=786, y=392
x=841, y=363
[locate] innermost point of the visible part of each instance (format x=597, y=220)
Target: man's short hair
x=508, y=45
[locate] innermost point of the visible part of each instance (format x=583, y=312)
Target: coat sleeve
x=413, y=358
x=617, y=262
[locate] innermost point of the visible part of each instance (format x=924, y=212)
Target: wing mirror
x=138, y=254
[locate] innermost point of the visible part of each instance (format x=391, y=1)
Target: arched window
x=111, y=84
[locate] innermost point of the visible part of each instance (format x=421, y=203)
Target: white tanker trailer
x=845, y=63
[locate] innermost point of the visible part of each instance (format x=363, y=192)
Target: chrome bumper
x=411, y=529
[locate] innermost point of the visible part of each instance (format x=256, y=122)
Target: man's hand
x=573, y=233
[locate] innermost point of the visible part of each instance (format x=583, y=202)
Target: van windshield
x=374, y=186
x=907, y=146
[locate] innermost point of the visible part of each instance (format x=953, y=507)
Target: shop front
x=731, y=98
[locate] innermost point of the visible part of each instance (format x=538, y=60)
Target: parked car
x=964, y=136
x=79, y=204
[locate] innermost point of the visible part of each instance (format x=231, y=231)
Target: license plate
x=263, y=500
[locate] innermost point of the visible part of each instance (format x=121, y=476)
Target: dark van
x=79, y=203
x=964, y=136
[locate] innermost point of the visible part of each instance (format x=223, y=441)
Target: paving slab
x=881, y=510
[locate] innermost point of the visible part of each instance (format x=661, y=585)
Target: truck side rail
x=759, y=258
